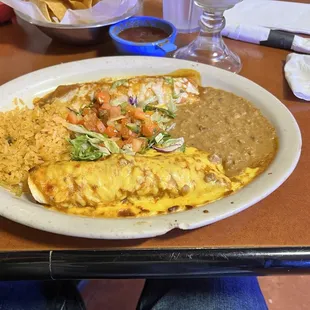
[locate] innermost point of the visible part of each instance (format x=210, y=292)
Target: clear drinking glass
x=209, y=46
x=183, y=14
x=140, y=8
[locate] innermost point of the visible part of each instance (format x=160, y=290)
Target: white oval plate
x=24, y=211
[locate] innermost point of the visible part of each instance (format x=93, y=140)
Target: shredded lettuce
x=74, y=111
x=170, y=145
x=127, y=149
x=149, y=101
x=163, y=111
x=118, y=101
x=95, y=143
x=123, y=107
x=118, y=83
x=133, y=127
x=81, y=129
x=83, y=149
x=170, y=142
x=94, y=139
x=172, y=107
x=176, y=96
x=159, y=118
x=90, y=146
x=112, y=146
x=164, y=142
x=182, y=148
x=172, y=126
x=161, y=137
x=168, y=80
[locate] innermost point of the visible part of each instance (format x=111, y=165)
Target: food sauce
x=143, y=34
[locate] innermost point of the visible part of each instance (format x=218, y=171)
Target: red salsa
x=143, y=34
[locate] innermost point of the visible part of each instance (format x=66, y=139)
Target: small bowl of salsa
x=144, y=35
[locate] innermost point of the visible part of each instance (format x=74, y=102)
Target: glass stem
x=209, y=46
x=211, y=26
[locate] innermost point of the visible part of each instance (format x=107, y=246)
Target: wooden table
x=272, y=235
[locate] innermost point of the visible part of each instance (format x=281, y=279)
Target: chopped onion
x=192, y=89
x=171, y=127
x=133, y=101
x=177, y=143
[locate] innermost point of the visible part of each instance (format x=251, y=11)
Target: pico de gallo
x=100, y=128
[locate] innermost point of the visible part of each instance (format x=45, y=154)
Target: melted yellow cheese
x=124, y=185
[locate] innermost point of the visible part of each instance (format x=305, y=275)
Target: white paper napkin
x=103, y=11
x=280, y=15
x=259, y=35
x=297, y=73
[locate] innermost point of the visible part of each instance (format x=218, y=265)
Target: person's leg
x=229, y=293
x=21, y=295
x=38, y=295
x=62, y=295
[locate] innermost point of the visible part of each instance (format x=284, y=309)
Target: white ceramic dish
x=24, y=211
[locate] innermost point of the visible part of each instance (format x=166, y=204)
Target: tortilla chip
x=43, y=8
x=77, y=5
x=88, y=3
x=57, y=7
x=53, y=17
x=95, y=2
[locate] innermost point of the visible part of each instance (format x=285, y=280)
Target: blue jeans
x=40, y=295
x=227, y=293
x=237, y=293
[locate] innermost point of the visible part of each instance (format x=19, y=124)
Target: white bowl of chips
x=75, y=21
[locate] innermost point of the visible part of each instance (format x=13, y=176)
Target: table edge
x=152, y=263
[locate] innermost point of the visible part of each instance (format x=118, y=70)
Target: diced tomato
x=103, y=97
x=125, y=131
x=130, y=108
x=105, y=107
x=90, y=122
x=149, y=128
x=86, y=111
x=110, y=131
x=120, y=143
x=139, y=114
x=124, y=121
x=100, y=126
x=115, y=112
x=137, y=145
x=72, y=118
x=128, y=141
x=128, y=118
x=95, y=109
x=81, y=121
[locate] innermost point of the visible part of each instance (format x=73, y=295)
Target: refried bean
x=230, y=128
